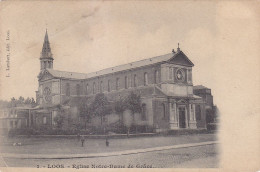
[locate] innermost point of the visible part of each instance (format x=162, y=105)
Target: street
x=193, y=157
x=205, y=156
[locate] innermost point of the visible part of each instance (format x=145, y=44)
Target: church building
x=163, y=82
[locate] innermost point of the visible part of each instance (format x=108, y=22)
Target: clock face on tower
x=180, y=75
x=47, y=94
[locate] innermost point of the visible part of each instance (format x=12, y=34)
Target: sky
x=220, y=37
x=90, y=36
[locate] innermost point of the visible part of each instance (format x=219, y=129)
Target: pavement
x=105, y=154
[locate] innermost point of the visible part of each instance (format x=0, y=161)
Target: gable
x=181, y=59
x=45, y=75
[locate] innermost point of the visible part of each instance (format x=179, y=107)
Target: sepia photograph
x=129, y=84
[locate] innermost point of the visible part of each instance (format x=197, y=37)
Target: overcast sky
x=89, y=36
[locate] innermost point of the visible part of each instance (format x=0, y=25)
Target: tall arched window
x=156, y=77
x=126, y=82
x=101, y=86
x=198, y=112
x=87, y=89
x=94, y=88
x=144, y=111
x=78, y=89
x=108, y=86
x=145, y=79
x=67, y=89
x=135, y=80
x=117, y=84
x=164, y=111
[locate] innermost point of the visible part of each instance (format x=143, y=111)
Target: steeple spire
x=46, y=58
x=46, y=49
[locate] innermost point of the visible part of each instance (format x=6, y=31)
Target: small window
x=156, y=77
x=87, y=89
x=126, y=82
x=94, y=88
x=108, y=86
x=135, y=80
x=78, y=89
x=67, y=89
x=44, y=120
x=101, y=86
x=117, y=84
x=144, y=111
x=145, y=79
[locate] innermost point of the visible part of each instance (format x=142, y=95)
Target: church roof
x=199, y=87
x=65, y=74
x=145, y=62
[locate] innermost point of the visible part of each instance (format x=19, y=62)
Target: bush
x=21, y=131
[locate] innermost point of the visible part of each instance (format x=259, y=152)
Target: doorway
x=182, y=117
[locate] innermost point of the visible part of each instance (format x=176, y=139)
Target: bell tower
x=46, y=58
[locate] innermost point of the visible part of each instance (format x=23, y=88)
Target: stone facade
x=164, y=83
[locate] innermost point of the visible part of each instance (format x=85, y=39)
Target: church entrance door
x=182, y=118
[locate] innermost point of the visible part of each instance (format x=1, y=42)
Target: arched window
x=145, y=79
x=101, y=86
x=117, y=84
x=78, y=89
x=67, y=89
x=94, y=88
x=156, y=77
x=198, y=112
x=135, y=80
x=144, y=111
x=164, y=110
x=108, y=86
x=87, y=89
x=126, y=82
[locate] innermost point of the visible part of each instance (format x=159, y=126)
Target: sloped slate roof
x=149, y=61
x=198, y=87
x=65, y=74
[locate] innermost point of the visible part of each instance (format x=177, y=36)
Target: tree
x=100, y=106
x=33, y=103
x=85, y=112
x=133, y=103
x=28, y=101
x=21, y=100
x=120, y=108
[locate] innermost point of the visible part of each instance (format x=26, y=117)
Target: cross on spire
x=178, y=49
